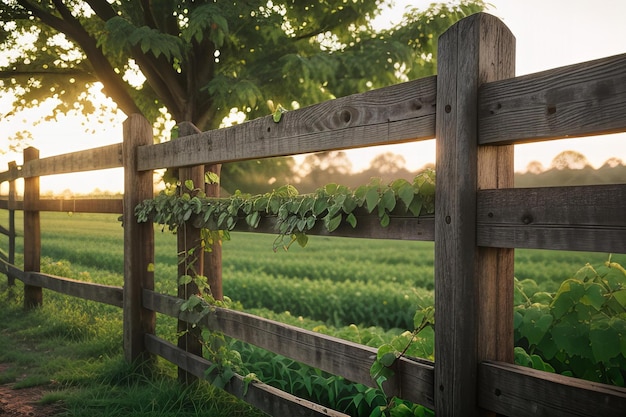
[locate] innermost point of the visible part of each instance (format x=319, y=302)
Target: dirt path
x=23, y=402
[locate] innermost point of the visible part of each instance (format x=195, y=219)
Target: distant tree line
x=316, y=170
x=571, y=168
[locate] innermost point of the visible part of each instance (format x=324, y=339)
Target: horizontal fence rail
x=583, y=218
x=330, y=354
x=518, y=391
x=576, y=100
x=89, y=160
x=106, y=294
x=396, y=114
x=261, y=395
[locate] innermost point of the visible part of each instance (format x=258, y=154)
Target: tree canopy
x=197, y=60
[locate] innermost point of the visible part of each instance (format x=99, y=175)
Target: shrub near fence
x=476, y=110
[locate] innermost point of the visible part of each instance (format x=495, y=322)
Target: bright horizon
x=548, y=34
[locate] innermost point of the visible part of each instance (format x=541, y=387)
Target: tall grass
x=73, y=347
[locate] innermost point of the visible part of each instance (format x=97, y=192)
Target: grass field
x=327, y=286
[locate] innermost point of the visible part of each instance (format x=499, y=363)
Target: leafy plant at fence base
x=387, y=354
x=578, y=331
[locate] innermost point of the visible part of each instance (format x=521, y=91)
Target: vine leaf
x=278, y=113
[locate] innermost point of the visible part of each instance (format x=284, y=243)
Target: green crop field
x=338, y=281
x=365, y=291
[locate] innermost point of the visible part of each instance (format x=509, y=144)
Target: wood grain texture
x=138, y=242
x=577, y=100
x=16, y=204
x=13, y=172
x=395, y=114
x=517, y=391
x=10, y=270
x=89, y=160
x=474, y=51
x=106, y=294
x=86, y=205
x=368, y=227
x=413, y=379
x=264, y=397
x=12, y=206
x=494, y=268
x=33, y=296
x=584, y=218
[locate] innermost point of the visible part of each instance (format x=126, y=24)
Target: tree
x=322, y=168
x=534, y=167
x=197, y=60
x=200, y=59
x=257, y=176
x=388, y=163
x=569, y=160
x=613, y=162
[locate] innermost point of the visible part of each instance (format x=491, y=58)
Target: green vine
x=296, y=214
x=388, y=354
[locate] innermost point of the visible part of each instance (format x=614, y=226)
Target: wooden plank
x=517, y=391
x=413, y=379
x=104, y=157
x=33, y=296
x=494, y=270
x=577, y=100
x=400, y=113
x=469, y=54
x=138, y=242
x=11, y=270
x=575, y=238
x=6, y=204
x=12, y=173
x=106, y=294
x=368, y=227
x=12, y=205
x=266, y=398
x=86, y=205
x=5, y=231
x=584, y=218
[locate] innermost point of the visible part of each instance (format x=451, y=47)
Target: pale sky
x=549, y=34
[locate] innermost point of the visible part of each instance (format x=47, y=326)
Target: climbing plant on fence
x=296, y=213
x=578, y=331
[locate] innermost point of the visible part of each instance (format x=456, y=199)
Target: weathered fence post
x=11, y=207
x=473, y=286
x=191, y=258
x=138, y=241
x=33, y=296
x=213, y=259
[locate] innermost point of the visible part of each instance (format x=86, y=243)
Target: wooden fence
x=477, y=110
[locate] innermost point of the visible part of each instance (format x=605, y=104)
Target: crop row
x=384, y=304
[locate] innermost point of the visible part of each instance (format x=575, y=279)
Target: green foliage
x=297, y=214
x=200, y=59
x=88, y=376
x=383, y=304
x=579, y=330
x=388, y=353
